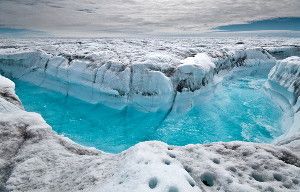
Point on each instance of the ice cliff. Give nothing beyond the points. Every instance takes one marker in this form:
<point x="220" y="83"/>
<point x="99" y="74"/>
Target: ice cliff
<point x="284" y="81"/>
<point x="117" y="78"/>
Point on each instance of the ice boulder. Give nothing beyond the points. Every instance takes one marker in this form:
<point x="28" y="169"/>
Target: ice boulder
<point x="194" y="72"/>
<point x="9" y="101"/>
<point x="150" y="89"/>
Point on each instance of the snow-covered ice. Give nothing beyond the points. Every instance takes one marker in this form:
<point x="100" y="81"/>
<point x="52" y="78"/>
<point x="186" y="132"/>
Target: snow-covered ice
<point x="121" y="73"/>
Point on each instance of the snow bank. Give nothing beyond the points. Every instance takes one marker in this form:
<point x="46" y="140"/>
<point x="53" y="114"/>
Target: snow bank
<point x="148" y="166"/>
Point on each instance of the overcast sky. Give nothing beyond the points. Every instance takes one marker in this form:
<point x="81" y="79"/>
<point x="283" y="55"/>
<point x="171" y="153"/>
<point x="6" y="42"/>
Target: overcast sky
<point x="87" y="17"/>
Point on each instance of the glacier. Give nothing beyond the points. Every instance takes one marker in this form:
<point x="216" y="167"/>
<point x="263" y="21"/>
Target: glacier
<point x="150" y="75"/>
<point x="119" y="73"/>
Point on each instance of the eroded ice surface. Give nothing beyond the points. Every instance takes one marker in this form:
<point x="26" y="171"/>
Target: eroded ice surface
<point x="237" y="108"/>
<point x="34" y="158"/>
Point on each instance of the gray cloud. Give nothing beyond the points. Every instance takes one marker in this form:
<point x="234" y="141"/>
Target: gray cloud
<point x="95" y="17"/>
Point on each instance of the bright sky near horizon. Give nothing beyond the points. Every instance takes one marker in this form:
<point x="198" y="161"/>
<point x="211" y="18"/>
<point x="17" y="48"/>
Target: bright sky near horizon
<point x="88" y="17"/>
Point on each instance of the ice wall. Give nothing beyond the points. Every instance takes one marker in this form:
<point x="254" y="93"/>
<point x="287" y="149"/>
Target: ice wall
<point x="284" y="80"/>
<point x="150" y="84"/>
<point x="286" y="73"/>
<point x="283" y="52"/>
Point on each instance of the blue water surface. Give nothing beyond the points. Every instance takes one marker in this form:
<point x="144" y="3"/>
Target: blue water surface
<point x="238" y="108"/>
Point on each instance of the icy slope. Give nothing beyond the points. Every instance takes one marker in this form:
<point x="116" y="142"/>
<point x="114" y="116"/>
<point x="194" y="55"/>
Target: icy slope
<point x="34" y="158"/>
<point x="284" y="80"/>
